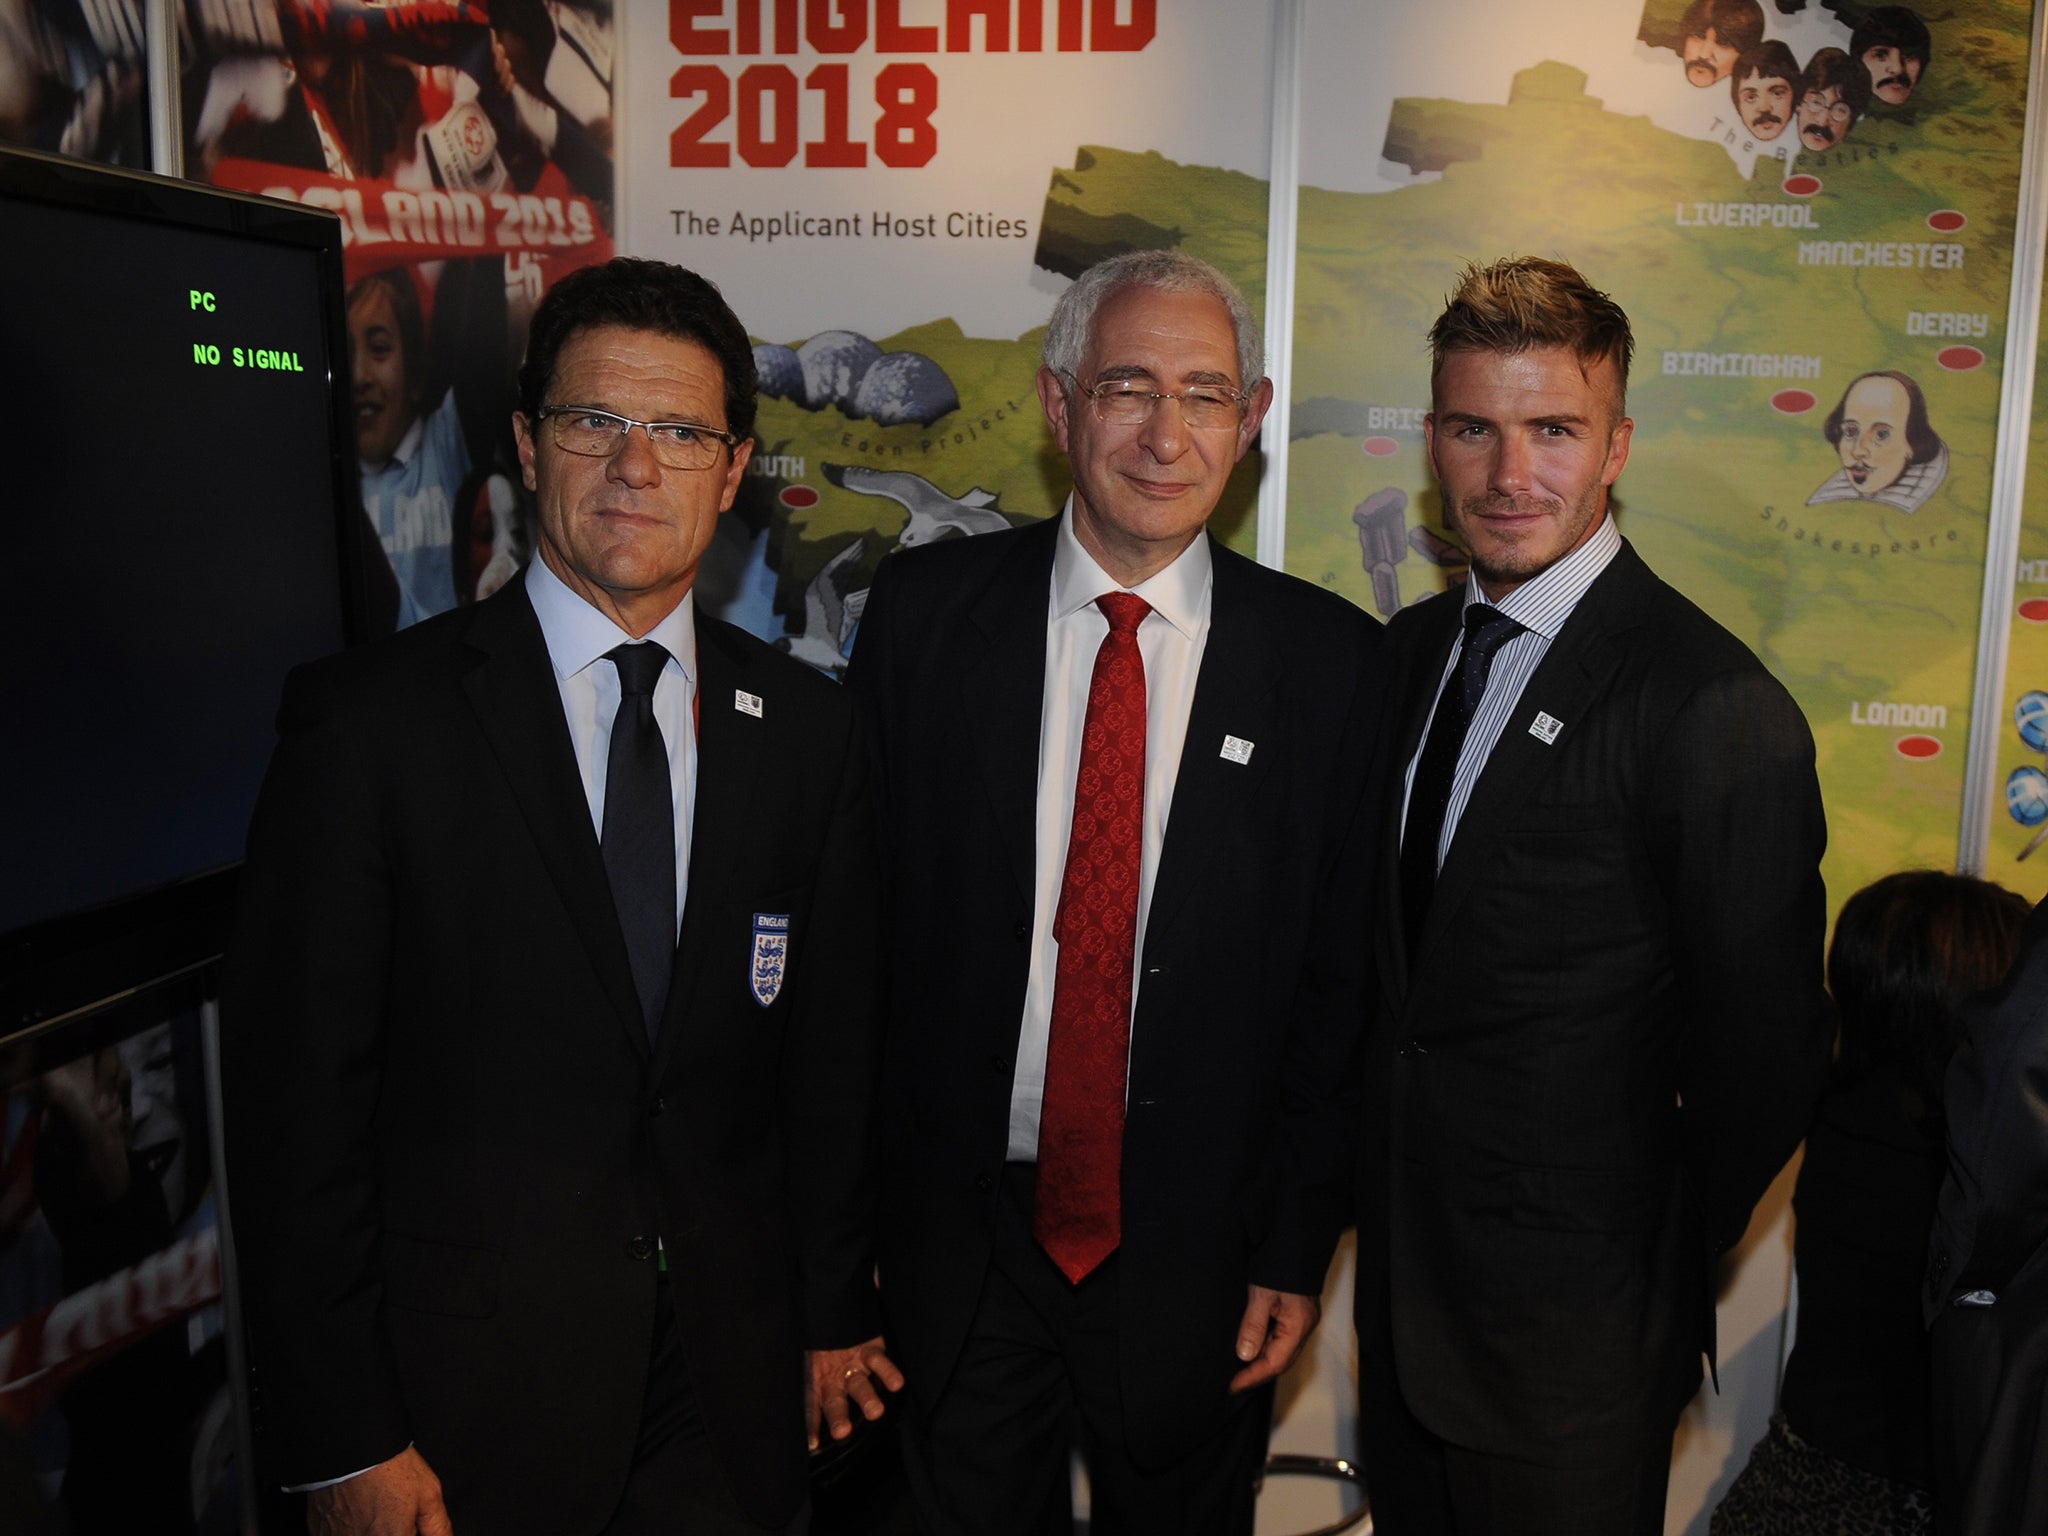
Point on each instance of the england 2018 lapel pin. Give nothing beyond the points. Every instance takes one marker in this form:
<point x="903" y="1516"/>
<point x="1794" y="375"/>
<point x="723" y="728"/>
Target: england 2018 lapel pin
<point x="1545" y="727"/>
<point x="747" y="703"/>
<point x="1237" y="749"/>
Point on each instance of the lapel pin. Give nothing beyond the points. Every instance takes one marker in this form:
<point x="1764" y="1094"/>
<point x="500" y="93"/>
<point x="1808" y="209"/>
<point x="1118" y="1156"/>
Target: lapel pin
<point x="1545" y="727"/>
<point x="1237" y="749"/>
<point x="750" y="703"/>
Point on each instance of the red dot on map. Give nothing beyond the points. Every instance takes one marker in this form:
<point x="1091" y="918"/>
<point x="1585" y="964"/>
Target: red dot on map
<point x="1947" y="220"/>
<point x="1380" y="447"/>
<point x="1802" y="185"/>
<point x="1959" y="359"/>
<point x="1793" y="402"/>
<point x="797" y="497"/>
<point x="1917" y="746"/>
<point x="2035" y="610"/>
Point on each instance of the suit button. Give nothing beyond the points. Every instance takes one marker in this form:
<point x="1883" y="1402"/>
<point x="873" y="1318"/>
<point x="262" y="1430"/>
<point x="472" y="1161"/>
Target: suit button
<point x="654" y="1110"/>
<point x="1000" y="1065"/>
<point x="1021" y="932"/>
<point x="640" y="1249"/>
<point x="984" y="1183"/>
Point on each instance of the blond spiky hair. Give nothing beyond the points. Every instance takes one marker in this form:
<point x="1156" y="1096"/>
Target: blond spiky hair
<point x="1520" y="302"/>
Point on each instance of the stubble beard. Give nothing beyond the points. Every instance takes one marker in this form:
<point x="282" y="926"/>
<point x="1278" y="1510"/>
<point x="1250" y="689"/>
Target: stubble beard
<point x="1514" y="560"/>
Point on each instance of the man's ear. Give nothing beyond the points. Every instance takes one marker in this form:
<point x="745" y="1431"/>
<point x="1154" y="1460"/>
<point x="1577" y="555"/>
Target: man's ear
<point x="1256" y="405"/>
<point x="1052" y="395"/>
<point x="523" y="435"/>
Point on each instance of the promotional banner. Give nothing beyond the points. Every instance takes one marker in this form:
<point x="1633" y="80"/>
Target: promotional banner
<point x="1808" y="213"/>
<point x="73" y="79"/>
<point x="467" y="153"/>
<point x="892" y="193"/>
<point x="113" y="1356"/>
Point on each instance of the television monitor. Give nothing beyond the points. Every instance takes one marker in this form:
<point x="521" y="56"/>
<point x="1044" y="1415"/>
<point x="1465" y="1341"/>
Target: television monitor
<point x="178" y="494"/>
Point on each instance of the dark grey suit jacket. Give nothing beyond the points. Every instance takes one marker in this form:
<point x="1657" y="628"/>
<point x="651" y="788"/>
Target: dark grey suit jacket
<point x="1243" y="1079"/>
<point x="451" y="1150"/>
<point x="1613" y="1033"/>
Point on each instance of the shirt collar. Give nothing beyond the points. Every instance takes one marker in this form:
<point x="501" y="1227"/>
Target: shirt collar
<point x="577" y="634"/>
<point x="1546" y="600"/>
<point x="1179" y="594"/>
<point x="408" y="446"/>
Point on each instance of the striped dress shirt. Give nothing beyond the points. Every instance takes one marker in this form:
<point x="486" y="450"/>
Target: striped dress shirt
<point x="1540" y="605"/>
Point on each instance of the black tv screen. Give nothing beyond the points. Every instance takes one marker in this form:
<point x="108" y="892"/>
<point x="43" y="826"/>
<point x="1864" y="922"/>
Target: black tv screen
<point x="177" y="491"/>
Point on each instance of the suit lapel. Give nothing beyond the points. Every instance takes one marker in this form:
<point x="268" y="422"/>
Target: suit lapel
<point x="519" y="709"/>
<point x="1003" y="692"/>
<point x="733" y="757"/>
<point x="1236" y="694"/>
<point x="1573" y="674"/>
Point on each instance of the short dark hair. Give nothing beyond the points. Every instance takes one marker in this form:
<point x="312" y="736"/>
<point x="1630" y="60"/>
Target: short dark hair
<point x="1832" y="69"/>
<point x="1520" y="302"/>
<point x="1922" y="441"/>
<point x="396" y="283"/>
<point x="1892" y="26"/>
<point x="641" y="295"/>
<point x="1737" y="24"/>
<point x="1908" y="950"/>
<point x="1773" y="60"/>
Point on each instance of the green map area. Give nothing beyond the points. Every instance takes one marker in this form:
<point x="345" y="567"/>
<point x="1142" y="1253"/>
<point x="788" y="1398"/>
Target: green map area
<point x="2018" y="853"/>
<point x="1854" y="604"/>
<point x="1867" y="612"/>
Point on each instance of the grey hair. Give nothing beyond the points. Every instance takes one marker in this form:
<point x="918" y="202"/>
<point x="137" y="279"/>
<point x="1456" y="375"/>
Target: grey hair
<point x="1073" y="317"/>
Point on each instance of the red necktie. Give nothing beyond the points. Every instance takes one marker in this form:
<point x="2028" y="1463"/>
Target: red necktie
<point x="1077" y="1210"/>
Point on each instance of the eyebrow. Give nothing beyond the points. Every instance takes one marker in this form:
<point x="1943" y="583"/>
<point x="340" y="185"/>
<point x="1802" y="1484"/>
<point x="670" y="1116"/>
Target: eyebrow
<point x="1124" y="371"/>
<point x="1561" y="419"/>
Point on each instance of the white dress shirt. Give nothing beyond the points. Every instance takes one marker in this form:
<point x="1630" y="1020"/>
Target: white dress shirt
<point x="1540" y="605"/>
<point x="578" y="636"/>
<point x="1170" y="643"/>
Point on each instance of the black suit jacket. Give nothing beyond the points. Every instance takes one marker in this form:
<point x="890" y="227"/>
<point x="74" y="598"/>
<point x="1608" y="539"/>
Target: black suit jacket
<point x="1991" y="1240"/>
<point x="1244" y="1044"/>
<point x="451" y="1148"/>
<point x="1613" y="1033"/>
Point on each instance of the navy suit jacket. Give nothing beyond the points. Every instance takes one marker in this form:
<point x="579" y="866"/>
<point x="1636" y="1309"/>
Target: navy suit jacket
<point x="1612" y="1035"/>
<point x="451" y="1148"/>
<point x="1243" y="1073"/>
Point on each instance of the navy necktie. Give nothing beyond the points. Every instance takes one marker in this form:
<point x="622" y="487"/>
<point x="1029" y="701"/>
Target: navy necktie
<point x="1429" y="794"/>
<point x="640" y="829"/>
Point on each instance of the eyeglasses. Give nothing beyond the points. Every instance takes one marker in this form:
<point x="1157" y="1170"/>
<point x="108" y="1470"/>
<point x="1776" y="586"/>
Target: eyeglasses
<point x="600" y="434"/>
<point x="1127" y="403"/>
<point x="1835" y="111"/>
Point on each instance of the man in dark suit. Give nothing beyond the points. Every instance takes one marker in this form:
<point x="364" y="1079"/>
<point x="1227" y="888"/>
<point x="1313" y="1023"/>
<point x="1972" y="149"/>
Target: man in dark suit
<point x="1987" y="1273"/>
<point x="550" y="1041"/>
<point x="1600" y="1028"/>
<point x="1125" y="783"/>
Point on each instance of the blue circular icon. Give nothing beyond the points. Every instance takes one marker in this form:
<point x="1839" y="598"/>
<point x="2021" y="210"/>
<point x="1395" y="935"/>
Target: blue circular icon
<point x="2026" y="796"/>
<point x="2030" y="714"/>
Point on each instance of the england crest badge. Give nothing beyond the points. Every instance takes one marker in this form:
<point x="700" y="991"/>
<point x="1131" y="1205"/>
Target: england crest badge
<point x="771" y="955"/>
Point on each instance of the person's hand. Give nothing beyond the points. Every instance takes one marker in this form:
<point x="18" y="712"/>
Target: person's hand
<point x="844" y="1379"/>
<point x="1276" y="1324"/>
<point x="399" y="1497"/>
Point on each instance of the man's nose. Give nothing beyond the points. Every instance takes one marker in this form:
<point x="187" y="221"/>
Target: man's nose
<point x="633" y="462"/>
<point x="1511" y="464"/>
<point x="1165" y="432"/>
